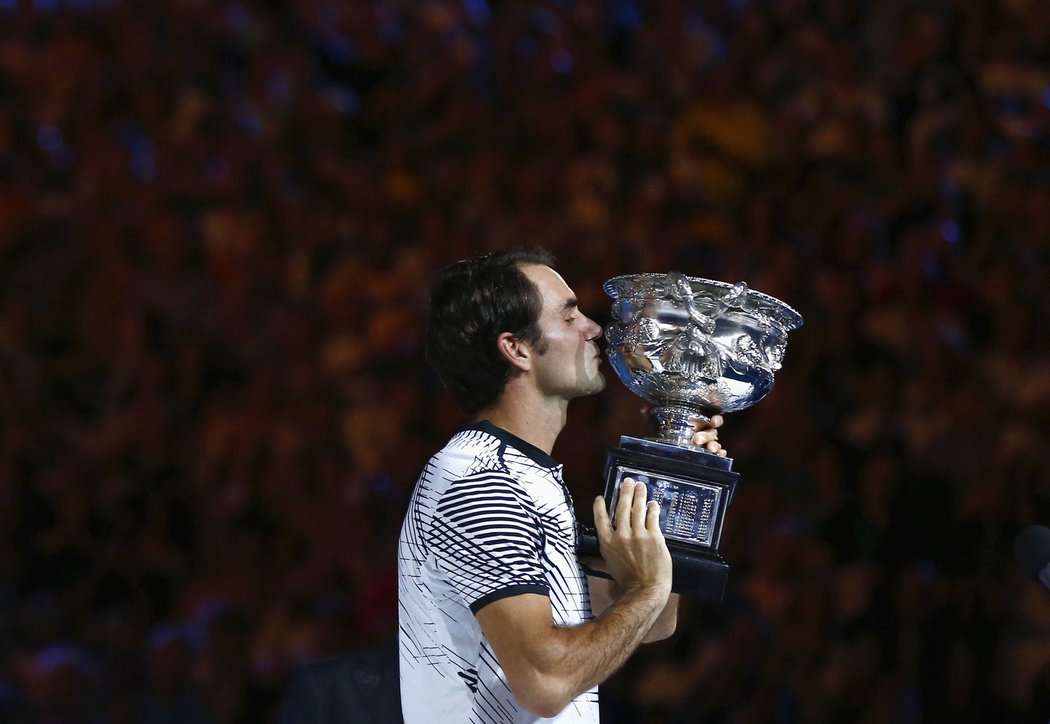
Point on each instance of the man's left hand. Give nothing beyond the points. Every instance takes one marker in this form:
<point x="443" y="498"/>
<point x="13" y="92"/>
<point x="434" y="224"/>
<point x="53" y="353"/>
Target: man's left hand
<point x="706" y="435"/>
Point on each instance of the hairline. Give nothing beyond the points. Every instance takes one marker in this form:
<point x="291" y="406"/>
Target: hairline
<point x="540" y="343"/>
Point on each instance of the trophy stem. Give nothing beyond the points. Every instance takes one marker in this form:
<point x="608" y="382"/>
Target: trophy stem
<point x="676" y="424"/>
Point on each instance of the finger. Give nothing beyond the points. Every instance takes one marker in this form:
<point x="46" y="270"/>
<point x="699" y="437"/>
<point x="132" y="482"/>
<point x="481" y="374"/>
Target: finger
<point x="703" y="437"/>
<point x="702" y="424"/>
<point x="641" y="492"/>
<point x="722" y="452"/>
<point x="601" y="519"/>
<point x="713" y="446"/>
<point x="622" y="516"/>
<point x="652" y="517"/>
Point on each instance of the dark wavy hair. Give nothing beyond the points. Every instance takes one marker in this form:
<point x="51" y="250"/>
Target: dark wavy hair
<point x="472" y="302"/>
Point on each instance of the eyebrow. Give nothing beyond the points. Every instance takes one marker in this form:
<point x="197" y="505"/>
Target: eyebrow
<point x="570" y="303"/>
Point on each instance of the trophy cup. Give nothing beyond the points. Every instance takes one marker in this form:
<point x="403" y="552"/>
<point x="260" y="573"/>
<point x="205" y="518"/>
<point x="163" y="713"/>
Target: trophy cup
<point x="691" y="347"/>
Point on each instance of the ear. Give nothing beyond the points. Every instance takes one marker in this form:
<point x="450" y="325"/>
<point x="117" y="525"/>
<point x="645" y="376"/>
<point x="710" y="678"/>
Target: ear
<point x="515" y="351"/>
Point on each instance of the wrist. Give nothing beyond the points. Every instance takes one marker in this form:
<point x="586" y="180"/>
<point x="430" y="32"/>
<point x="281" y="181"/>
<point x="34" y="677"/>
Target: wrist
<point x="659" y="589"/>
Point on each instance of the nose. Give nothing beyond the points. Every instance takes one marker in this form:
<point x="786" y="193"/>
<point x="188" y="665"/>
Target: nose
<point x="594" y="330"/>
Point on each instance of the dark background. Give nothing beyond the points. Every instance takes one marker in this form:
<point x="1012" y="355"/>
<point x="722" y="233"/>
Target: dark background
<point x="217" y="222"/>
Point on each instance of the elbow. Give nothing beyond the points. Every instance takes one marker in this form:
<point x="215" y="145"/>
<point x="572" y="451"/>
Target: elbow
<point x="545" y="699"/>
<point x="545" y="707"/>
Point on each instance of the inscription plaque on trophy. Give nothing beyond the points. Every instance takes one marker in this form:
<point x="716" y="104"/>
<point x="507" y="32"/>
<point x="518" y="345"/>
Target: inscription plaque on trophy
<point x="691" y="347"/>
<point x="687" y="508"/>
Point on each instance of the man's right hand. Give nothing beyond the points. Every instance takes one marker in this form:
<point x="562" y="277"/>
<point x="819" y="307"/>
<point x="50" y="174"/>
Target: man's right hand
<point x="632" y="544"/>
<point x="547" y="665"/>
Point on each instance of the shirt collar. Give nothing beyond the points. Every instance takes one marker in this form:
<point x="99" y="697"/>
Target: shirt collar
<point x="538" y="456"/>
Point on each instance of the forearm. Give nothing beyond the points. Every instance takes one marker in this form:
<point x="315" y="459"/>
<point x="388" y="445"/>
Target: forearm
<point x="577" y="658"/>
<point x="546" y="665"/>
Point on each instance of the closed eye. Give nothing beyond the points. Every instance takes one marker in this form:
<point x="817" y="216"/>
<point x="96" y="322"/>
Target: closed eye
<point x="570" y="307"/>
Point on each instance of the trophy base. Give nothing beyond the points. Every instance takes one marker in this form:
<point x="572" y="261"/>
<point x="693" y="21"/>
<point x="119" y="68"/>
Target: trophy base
<point x="693" y="488"/>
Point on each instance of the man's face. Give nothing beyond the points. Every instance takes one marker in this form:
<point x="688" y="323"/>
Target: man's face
<point x="569" y="365"/>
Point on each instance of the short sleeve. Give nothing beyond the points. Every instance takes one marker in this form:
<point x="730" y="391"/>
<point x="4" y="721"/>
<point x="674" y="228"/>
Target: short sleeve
<point x="487" y="540"/>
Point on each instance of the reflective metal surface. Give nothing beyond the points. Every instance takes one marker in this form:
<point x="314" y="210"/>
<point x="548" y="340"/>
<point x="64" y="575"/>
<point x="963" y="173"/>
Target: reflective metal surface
<point x="693" y="347"/>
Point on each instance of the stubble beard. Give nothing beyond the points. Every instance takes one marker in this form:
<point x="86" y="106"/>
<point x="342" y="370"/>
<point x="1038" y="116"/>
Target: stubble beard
<point x="594" y="386"/>
<point x="591" y="385"/>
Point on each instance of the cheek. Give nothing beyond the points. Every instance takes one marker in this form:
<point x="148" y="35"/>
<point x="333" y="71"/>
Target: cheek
<point x="560" y="338"/>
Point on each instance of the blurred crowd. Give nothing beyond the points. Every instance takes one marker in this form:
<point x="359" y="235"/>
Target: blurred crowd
<point x="217" y="222"/>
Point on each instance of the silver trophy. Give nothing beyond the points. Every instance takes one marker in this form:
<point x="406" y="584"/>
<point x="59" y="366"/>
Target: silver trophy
<point x="692" y="348"/>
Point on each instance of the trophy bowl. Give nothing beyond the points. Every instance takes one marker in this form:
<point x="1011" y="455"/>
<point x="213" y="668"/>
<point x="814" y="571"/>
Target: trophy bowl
<point x="693" y="347"/>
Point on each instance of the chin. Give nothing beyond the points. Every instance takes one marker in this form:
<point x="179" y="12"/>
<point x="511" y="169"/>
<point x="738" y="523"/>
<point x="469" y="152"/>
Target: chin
<point x="598" y="386"/>
<point x="586" y="388"/>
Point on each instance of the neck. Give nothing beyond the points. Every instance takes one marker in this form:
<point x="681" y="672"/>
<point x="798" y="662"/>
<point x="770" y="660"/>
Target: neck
<point x="536" y="421"/>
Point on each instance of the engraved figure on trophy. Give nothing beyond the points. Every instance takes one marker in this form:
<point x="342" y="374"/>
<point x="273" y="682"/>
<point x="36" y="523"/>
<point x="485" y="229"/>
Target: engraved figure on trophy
<point x="691" y="347"/>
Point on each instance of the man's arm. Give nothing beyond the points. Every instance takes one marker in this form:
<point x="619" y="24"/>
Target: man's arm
<point x="547" y="665"/>
<point x="605" y="592"/>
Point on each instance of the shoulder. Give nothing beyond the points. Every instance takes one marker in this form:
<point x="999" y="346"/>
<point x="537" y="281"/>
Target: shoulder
<point x="468" y="452"/>
<point x="496" y="488"/>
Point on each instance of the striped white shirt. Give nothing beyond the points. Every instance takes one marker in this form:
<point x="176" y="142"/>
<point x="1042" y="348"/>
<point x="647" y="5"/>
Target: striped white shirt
<point x="490" y="518"/>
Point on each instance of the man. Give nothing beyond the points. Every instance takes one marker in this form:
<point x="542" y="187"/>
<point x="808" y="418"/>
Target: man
<point x="498" y="622"/>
